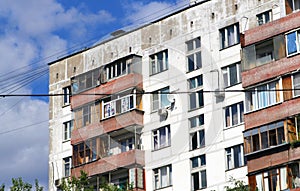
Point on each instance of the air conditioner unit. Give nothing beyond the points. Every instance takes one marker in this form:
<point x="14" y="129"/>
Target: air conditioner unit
<point x="58" y="182"/>
<point x="220" y="93"/>
<point x="162" y="112"/>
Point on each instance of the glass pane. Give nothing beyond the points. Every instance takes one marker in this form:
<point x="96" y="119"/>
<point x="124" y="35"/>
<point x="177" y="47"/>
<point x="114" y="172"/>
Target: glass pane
<point x="189" y="45"/>
<point x="291" y="43"/>
<point x="237" y="156"/>
<point x="225" y="76"/>
<point x="272" y="93"/>
<point x="193" y="122"/>
<point x="228" y="158"/>
<point x="233" y="74"/>
<point x="195" y="162"/>
<point x="241" y="112"/>
<point x="201" y="119"/>
<point x="201" y="138"/>
<point x="235" y="116"/>
<point x="262" y="96"/>
<point x="203" y="160"/>
<point x="164" y="97"/>
<point x="197" y="42"/>
<point x="200" y="98"/>
<point x="160" y="62"/>
<point x="255" y="143"/>
<point x="192" y="83"/>
<point x="196" y="182"/>
<point x="203" y="179"/>
<point x="227" y="117"/>
<point x="259" y="182"/>
<point x="296" y="84"/>
<point x="198" y="60"/>
<point x="264" y="140"/>
<point x="164" y="177"/>
<point x="231" y="36"/>
<point x="163" y="138"/>
<point x="272" y="137"/>
<point x="155" y="101"/>
<point x="193" y="101"/>
<point x="199" y="81"/>
<point x="191" y="62"/>
<point x="222" y="38"/>
<point x="194" y="141"/>
<point x="280" y="135"/>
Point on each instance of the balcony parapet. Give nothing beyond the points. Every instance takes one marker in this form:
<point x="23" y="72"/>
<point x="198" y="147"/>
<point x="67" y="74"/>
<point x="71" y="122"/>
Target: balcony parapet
<point x="122" y="160"/>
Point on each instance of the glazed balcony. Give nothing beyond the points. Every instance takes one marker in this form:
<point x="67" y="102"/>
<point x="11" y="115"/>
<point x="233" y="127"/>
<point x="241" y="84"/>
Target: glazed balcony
<point x="110" y="163"/>
<point x="132" y="80"/>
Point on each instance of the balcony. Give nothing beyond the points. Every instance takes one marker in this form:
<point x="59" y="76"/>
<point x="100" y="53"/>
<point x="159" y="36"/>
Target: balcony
<point x="110" y="163"/>
<point x="111" y="87"/>
<point x="131" y="118"/>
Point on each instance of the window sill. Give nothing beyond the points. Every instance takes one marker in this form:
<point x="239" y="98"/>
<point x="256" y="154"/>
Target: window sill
<point x="65" y="141"/>
<point x="194" y="109"/>
<point x="66" y="105"/>
<point x="252" y="111"/>
<point x="227" y="170"/>
<point x="227" y="87"/>
<point x="233" y="126"/>
<point x="229" y="46"/>
<point x="202" y="147"/>
<point x="161" y="148"/>
<point x="163" y="187"/>
<point x="187" y="72"/>
<point x="158" y="72"/>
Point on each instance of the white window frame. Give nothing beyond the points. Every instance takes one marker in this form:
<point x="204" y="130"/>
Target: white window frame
<point x="197" y="122"/>
<point x="293" y="4"/>
<point x="157" y="66"/>
<point x="201" y="186"/>
<point x="297" y="42"/>
<point x="199" y="159"/>
<point x="116" y="70"/>
<point x="224" y="36"/>
<point x="230" y="157"/>
<point x="200" y="143"/>
<point x="66" y="96"/>
<point x="254" y="93"/>
<point x="157" y="98"/>
<point x="156" y="134"/>
<point x="68" y="127"/>
<point x="227" y="74"/>
<point x="67" y="162"/>
<point x="158" y="179"/>
<point x="296" y="87"/>
<point x="128" y="144"/>
<point x="239" y="114"/>
<point x="196" y="92"/>
<point x="261" y="18"/>
<point x="193" y="52"/>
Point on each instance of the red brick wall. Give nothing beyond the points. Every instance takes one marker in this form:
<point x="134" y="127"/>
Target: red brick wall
<point x="268" y="30"/>
<point x="271" y="70"/>
<point x="111" y="87"/>
<point x="273" y="113"/>
<point x="111" y="163"/>
<point x="111" y="124"/>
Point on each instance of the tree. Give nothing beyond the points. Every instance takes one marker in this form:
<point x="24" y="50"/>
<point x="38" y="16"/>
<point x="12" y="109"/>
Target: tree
<point x="19" y="185"/>
<point x="239" y="185"/>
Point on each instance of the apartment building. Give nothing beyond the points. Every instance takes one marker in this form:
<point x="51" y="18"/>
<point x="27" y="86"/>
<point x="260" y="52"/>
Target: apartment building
<point x="270" y="75"/>
<point x="160" y="107"/>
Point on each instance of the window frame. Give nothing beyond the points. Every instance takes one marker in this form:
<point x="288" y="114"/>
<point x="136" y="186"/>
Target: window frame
<point x="239" y="113"/>
<point x="227" y="73"/>
<point x="67" y="165"/>
<point x="196" y="95"/>
<point x="158" y="102"/>
<point x="155" y="65"/>
<point x="68" y="127"/>
<point x="296" y="86"/>
<point x="201" y="161"/>
<point x="66" y="95"/>
<point x="197" y="138"/>
<point x="224" y="36"/>
<point x="230" y="153"/>
<point x="156" y="138"/>
<point x="193" y="49"/>
<point x="200" y="181"/>
<point x="297" y="42"/>
<point x="263" y="17"/>
<point x="157" y="177"/>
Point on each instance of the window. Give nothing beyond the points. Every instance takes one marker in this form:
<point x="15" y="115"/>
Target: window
<point x="292" y="5"/>
<point x="68" y="128"/>
<point x="86" y="115"/>
<point x="127" y="144"/>
<point x="264" y="52"/>
<point x="229" y="36"/>
<point x="263" y="96"/>
<point x="199" y="180"/>
<point x="162" y="177"/>
<point x="272" y="180"/>
<point x="159" y="62"/>
<point x="66" y="96"/>
<point x="86" y="81"/>
<point x="194" y="61"/>
<point x="234" y="114"/>
<point x="117" y="106"/>
<point x="196" y="121"/>
<point x="264" y="17"/>
<point x="160" y="99"/>
<point x="235" y="157"/>
<point x="265" y="137"/>
<point x="293" y="43"/>
<point x="232" y="74"/>
<point x="198" y="161"/>
<point x="196" y="99"/>
<point x="67" y="166"/>
<point x="161" y="137"/>
<point x="296" y="84"/>
<point x="116" y="69"/>
<point x="197" y="139"/>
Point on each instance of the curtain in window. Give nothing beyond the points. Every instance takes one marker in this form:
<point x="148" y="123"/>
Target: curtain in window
<point x="259" y="182"/>
<point x="237" y="156"/>
<point x="164" y="177"/>
<point x="163" y="138"/>
<point x="231" y="36"/>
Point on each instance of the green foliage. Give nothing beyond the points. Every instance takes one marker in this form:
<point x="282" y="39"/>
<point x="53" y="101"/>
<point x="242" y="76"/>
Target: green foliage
<point x="238" y="185"/>
<point x="19" y="185"/>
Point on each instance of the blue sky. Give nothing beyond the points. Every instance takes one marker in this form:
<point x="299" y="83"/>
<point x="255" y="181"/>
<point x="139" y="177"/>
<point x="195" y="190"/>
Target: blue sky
<point x="33" y="33"/>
